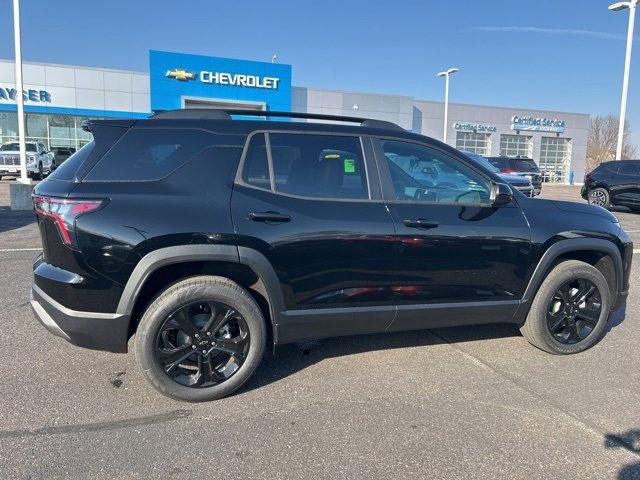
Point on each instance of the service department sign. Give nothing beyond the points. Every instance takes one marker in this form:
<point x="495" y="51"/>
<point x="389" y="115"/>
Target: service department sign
<point x="474" y="127"/>
<point x="533" y="124"/>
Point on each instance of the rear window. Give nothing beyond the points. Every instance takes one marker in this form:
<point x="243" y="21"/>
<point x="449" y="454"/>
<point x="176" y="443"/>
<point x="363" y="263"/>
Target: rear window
<point x="500" y="163"/>
<point x="520" y="165"/>
<point x="146" y="154"/>
<point x="67" y="170"/>
<point x="9" y="147"/>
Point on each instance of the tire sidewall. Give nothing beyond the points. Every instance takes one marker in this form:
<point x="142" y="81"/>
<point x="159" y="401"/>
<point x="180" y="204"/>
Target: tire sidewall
<point x="548" y="289"/>
<point x="183" y="295"/>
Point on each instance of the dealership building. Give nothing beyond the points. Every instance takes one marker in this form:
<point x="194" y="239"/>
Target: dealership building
<point x="59" y="97"/>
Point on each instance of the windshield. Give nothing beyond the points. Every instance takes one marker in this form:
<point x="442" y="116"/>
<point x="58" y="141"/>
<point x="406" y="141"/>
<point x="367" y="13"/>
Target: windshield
<point x="523" y="165"/>
<point x="8" y="147"/>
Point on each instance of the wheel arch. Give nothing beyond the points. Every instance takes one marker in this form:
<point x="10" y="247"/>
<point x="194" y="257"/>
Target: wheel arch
<point x="600" y="253"/>
<point x="165" y="266"/>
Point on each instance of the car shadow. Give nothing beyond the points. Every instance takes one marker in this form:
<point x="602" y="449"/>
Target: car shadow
<point x="290" y="359"/>
<point x="630" y="441"/>
<point x="10" y="220"/>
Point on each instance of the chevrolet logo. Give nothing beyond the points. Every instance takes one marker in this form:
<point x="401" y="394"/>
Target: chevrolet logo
<point x="180" y="74"/>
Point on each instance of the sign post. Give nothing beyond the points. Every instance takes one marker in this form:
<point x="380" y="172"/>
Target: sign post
<point x="19" y="87"/>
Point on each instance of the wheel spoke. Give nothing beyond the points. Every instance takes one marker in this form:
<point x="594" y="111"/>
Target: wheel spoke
<point x="186" y="325"/>
<point x="230" y="345"/>
<point x="558" y="322"/>
<point x="218" y="318"/>
<point x="170" y="359"/>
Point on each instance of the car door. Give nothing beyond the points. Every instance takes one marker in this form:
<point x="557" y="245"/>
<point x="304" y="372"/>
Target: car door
<point x="459" y="259"/>
<point x="625" y="188"/>
<point x="311" y="205"/>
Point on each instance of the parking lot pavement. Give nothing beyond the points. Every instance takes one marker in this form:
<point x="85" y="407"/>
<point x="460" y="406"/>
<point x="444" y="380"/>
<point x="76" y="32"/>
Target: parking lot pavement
<point x="451" y="403"/>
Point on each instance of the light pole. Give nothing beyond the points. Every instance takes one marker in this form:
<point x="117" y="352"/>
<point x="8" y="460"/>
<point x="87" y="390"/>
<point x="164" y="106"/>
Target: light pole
<point x="19" y="101"/>
<point x="446" y="74"/>
<point x="631" y="5"/>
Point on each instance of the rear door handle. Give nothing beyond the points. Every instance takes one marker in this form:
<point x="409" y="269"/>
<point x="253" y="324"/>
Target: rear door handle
<point x="269" y="217"/>
<point x="420" y="223"/>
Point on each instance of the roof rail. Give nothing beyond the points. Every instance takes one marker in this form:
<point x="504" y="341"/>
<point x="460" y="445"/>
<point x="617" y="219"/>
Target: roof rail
<point x="219" y="114"/>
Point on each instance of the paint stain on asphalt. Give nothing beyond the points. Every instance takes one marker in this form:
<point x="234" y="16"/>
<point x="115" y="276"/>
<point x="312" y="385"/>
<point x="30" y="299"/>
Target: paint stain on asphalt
<point x="117" y="382"/>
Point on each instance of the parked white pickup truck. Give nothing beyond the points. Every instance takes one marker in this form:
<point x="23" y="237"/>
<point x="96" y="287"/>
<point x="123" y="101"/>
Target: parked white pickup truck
<point x="39" y="160"/>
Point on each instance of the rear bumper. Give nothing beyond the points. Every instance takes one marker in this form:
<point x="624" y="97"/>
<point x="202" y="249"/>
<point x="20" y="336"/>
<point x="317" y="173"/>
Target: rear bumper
<point x="97" y="331"/>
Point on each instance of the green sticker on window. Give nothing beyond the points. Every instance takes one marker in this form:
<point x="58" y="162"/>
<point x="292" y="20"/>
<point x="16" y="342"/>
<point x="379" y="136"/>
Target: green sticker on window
<point x="349" y="165"/>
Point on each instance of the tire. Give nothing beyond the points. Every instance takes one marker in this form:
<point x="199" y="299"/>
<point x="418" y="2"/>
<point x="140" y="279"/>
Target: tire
<point x="537" y="328"/>
<point x="161" y="314"/>
<point x="599" y="196"/>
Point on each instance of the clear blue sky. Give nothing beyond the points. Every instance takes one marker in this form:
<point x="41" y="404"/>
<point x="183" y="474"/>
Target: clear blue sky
<point x="551" y="54"/>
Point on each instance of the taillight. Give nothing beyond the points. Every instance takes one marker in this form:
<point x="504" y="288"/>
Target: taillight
<point x="507" y="170"/>
<point x="64" y="212"/>
<point x="587" y="177"/>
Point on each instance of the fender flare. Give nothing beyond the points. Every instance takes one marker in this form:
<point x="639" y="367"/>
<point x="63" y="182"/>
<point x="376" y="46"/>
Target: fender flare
<point x="559" y="248"/>
<point x="161" y="257"/>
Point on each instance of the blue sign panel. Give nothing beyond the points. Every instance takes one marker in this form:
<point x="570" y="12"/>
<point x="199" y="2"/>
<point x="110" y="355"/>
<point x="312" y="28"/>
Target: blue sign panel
<point x="177" y="79"/>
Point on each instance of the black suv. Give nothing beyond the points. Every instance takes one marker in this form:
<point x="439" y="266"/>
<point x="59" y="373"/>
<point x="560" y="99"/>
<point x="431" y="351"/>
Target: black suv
<point x="209" y="238"/>
<point x="614" y="183"/>
<point x="525" y="167"/>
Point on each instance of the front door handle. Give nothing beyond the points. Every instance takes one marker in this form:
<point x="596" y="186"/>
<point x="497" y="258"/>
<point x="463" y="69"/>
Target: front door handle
<point x="269" y="217"/>
<point x="420" y="223"/>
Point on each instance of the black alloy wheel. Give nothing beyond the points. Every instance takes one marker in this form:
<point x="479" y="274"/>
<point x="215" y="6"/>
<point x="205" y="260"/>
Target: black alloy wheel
<point x="202" y="344"/>
<point x="574" y="311"/>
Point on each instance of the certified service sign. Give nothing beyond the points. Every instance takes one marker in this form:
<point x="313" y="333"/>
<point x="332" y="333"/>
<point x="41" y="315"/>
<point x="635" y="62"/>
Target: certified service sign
<point x="533" y="124"/>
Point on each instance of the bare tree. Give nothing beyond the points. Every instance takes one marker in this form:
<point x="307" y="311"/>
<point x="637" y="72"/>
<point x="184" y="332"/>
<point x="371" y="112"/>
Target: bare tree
<point x="602" y="141"/>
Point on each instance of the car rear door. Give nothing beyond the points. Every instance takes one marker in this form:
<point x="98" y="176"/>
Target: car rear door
<point x="311" y="205"/>
<point x="459" y="258"/>
<point x="626" y="187"/>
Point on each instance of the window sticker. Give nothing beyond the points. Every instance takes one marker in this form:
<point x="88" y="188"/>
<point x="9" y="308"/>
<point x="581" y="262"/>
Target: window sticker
<point x="349" y="165"/>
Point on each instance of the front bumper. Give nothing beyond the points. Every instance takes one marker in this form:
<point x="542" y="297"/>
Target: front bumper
<point x="97" y="331"/>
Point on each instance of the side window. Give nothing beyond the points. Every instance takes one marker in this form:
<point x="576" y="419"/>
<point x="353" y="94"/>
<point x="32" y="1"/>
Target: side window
<point x="425" y="174"/>
<point x="628" y="170"/>
<point x="256" y="164"/>
<point x="144" y="154"/>
<point x="318" y="166"/>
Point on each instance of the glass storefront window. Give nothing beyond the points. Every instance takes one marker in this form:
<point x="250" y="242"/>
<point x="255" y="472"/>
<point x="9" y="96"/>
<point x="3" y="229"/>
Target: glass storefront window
<point x="555" y="158"/>
<point x="52" y="130"/>
<point x="516" y="146"/>
<point x="478" y="143"/>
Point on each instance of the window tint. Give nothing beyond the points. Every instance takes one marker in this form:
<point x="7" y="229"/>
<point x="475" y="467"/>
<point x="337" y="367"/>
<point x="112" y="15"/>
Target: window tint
<point x="319" y="166"/>
<point x="67" y="170"/>
<point x="425" y="174"/>
<point x="520" y="165"/>
<point x="500" y="163"/>
<point x="629" y="169"/>
<point x="149" y="154"/>
<point x="256" y="166"/>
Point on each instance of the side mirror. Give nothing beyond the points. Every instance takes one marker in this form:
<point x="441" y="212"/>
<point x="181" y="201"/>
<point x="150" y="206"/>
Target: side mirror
<point x="501" y="194"/>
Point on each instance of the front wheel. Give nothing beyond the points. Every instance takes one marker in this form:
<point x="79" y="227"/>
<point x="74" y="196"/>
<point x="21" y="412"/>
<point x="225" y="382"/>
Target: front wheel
<point x="599" y="196"/>
<point x="570" y="310"/>
<point x="201" y="339"/>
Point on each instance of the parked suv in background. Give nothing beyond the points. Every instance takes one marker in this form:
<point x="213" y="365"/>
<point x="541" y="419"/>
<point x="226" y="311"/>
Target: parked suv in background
<point x="523" y="184"/>
<point x="210" y="238"/>
<point x="614" y="183"/>
<point x="39" y="160"/>
<point x="522" y="166"/>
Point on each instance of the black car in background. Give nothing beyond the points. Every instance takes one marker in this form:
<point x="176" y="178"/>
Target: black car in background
<point x="614" y="183"/>
<point x="522" y="166"/>
<point x="519" y="182"/>
<point x="60" y="154"/>
<point x="213" y="239"/>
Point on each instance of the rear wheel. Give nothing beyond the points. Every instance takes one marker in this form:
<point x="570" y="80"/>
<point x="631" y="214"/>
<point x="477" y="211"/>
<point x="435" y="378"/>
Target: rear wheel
<point x="599" y="196"/>
<point x="570" y="310"/>
<point x="201" y="339"/>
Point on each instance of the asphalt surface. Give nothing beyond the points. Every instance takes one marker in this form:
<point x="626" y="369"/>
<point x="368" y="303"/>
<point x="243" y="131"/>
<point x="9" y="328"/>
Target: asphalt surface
<point x="474" y="402"/>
